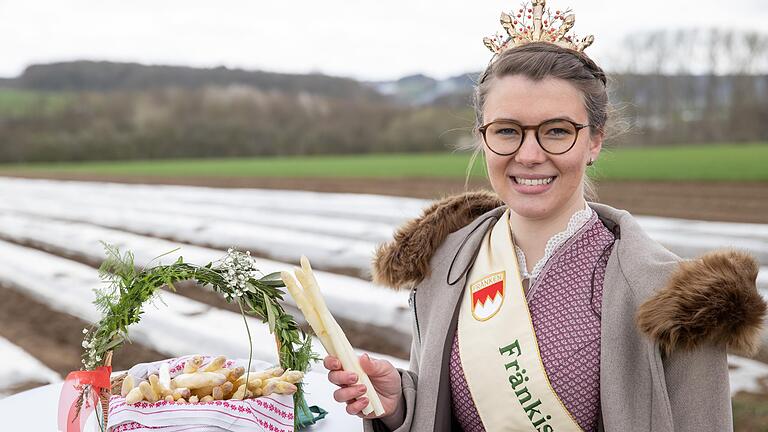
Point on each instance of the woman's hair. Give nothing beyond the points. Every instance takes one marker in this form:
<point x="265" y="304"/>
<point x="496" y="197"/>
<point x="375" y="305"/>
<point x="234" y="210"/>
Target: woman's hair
<point x="540" y="60"/>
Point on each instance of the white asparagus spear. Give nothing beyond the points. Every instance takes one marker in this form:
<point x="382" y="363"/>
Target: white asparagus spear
<point x="344" y="351"/>
<point x="148" y="392"/>
<point x="128" y="385"/>
<point x="309" y="312"/>
<point x="340" y="342"/>
<point x="374" y="403"/>
<point x="134" y="396"/>
<point x="215" y="364"/>
<point x="165" y="376"/>
<point x="199" y="379"/>
<point x="322" y="330"/>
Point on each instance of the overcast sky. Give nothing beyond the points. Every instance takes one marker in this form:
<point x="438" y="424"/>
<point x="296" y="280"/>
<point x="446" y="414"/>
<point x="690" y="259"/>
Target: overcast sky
<point x="364" y="39"/>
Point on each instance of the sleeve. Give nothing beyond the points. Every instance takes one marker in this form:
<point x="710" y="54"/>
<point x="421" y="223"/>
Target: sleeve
<point x="699" y="389"/>
<point x="402" y="419"/>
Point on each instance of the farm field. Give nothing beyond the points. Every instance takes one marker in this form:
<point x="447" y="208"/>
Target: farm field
<point x="50" y="233"/>
<point x="700" y="200"/>
<point x="718" y="183"/>
<point x="724" y="162"/>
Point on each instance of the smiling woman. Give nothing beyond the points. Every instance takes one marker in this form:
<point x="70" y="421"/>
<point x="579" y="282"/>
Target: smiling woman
<point x="549" y="82"/>
<point x="536" y="310"/>
<point x="553" y="159"/>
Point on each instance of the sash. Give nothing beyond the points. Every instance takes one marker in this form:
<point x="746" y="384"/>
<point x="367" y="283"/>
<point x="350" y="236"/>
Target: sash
<point x="498" y="347"/>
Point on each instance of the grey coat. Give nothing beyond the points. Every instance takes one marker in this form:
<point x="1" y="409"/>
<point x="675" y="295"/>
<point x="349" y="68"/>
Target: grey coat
<point x="666" y="323"/>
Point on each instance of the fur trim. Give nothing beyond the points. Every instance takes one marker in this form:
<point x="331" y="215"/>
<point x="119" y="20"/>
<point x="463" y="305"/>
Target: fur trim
<point x="711" y="299"/>
<point x="404" y="261"/>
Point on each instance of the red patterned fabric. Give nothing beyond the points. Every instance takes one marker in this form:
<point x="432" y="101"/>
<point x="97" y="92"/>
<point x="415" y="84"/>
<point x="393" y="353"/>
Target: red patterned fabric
<point x="567" y="329"/>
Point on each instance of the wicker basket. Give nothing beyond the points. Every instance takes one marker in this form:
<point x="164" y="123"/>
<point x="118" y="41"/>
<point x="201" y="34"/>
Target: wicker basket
<point x="262" y="298"/>
<point x="116" y="384"/>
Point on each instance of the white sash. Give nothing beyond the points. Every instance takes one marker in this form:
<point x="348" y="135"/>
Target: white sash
<point x="498" y="347"/>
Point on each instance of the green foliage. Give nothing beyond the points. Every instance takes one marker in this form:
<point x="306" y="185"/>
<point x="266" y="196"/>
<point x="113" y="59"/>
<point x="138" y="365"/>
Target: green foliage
<point x="729" y="162"/>
<point x="16" y="103"/>
<point x="378" y="165"/>
<point x="128" y="289"/>
<point x="201" y="122"/>
<point x="82" y="111"/>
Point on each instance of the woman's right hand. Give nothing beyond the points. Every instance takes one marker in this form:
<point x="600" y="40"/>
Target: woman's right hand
<point x="384" y="377"/>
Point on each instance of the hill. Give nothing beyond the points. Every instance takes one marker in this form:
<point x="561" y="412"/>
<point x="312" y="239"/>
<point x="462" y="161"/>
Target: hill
<point x="109" y="76"/>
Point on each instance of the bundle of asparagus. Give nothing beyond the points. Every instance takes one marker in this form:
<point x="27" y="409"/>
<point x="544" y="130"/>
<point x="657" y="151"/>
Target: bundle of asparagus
<point x="310" y="302"/>
<point x="206" y="383"/>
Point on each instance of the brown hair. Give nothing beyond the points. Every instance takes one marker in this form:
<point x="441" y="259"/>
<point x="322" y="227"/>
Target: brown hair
<point x="540" y="60"/>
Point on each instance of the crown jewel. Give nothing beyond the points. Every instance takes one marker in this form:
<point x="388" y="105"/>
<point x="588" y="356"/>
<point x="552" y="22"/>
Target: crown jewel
<point x="535" y="23"/>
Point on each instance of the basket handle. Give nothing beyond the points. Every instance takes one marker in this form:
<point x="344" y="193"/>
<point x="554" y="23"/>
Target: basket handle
<point x="106" y="393"/>
<point x="279" y="345"/>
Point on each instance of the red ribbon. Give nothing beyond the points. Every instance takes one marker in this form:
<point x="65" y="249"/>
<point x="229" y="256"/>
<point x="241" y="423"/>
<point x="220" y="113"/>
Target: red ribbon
<point x="72" y="418"/>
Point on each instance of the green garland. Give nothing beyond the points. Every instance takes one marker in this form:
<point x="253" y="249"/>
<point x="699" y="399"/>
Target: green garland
<point x="235" y="277"/>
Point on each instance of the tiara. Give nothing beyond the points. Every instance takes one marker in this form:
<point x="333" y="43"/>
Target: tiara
<point x="534" y="23"/>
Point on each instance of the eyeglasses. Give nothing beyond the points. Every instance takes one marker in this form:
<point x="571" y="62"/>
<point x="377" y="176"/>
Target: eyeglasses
<point x="556" y="136"/>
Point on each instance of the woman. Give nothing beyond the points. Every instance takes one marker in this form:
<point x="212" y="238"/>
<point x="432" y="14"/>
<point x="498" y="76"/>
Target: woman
<point x="536" y="310"/>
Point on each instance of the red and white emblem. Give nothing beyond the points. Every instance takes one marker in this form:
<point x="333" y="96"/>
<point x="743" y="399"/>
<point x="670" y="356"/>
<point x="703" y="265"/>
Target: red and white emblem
<point x="487" y="296"/>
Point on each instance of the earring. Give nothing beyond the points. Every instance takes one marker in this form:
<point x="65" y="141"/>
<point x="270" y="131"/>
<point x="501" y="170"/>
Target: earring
<point x="591" y="162"/>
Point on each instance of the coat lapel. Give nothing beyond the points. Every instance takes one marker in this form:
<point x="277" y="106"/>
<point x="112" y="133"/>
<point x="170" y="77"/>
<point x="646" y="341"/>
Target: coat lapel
<point x="460" y="250"/>
<point x="631" y="372"/>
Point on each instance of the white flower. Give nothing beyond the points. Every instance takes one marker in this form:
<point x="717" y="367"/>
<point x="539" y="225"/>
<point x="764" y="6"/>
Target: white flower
<point x="237" y="269"/>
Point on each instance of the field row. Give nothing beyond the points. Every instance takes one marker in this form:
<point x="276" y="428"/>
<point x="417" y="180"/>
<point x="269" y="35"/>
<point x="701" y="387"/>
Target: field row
<point x="174" y="326"/>
<point x="336" y="231"/>
<point x="726" y="162"/>
<point x="51" y="234"/>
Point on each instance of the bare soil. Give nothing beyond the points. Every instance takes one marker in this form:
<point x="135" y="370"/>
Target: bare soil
<point x="750" y="411"/>
<point x="364" y="336"/>
<point x="718" y="201"/>
<point x="54" y="337"/>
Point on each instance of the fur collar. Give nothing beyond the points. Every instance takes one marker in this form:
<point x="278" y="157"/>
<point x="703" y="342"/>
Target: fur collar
<point x="404" y="261"/>
<point x="710" y="299"/>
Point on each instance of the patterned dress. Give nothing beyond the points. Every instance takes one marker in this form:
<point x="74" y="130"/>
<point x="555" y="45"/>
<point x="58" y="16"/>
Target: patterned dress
<point x="566" y="318"/>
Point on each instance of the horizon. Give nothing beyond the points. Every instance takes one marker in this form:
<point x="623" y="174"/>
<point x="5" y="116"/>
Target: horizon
<point x="309" y="73"/>
<point x="229" y="69"/>
<point x="336" y="38"/>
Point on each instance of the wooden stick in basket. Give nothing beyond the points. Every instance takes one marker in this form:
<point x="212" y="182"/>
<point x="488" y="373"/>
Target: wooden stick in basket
<point x="106" y="394"/>
<point x="313" y="307"/>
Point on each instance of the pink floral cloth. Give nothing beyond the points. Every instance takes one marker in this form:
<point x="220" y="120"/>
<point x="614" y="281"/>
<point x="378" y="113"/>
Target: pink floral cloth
<point x="566" y="320"/>
<point x="272" y="413"/>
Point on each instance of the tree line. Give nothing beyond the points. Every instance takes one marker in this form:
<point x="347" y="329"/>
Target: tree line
<point x="230" y="121"/>
<point x="102" y="111"/>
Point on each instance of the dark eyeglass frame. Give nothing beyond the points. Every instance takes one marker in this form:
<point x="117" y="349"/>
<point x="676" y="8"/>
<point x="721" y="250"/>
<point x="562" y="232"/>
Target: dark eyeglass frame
<point x="482" y="129"/>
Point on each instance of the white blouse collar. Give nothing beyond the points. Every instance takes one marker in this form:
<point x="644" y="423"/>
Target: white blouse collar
<point x="578" y="220"/>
